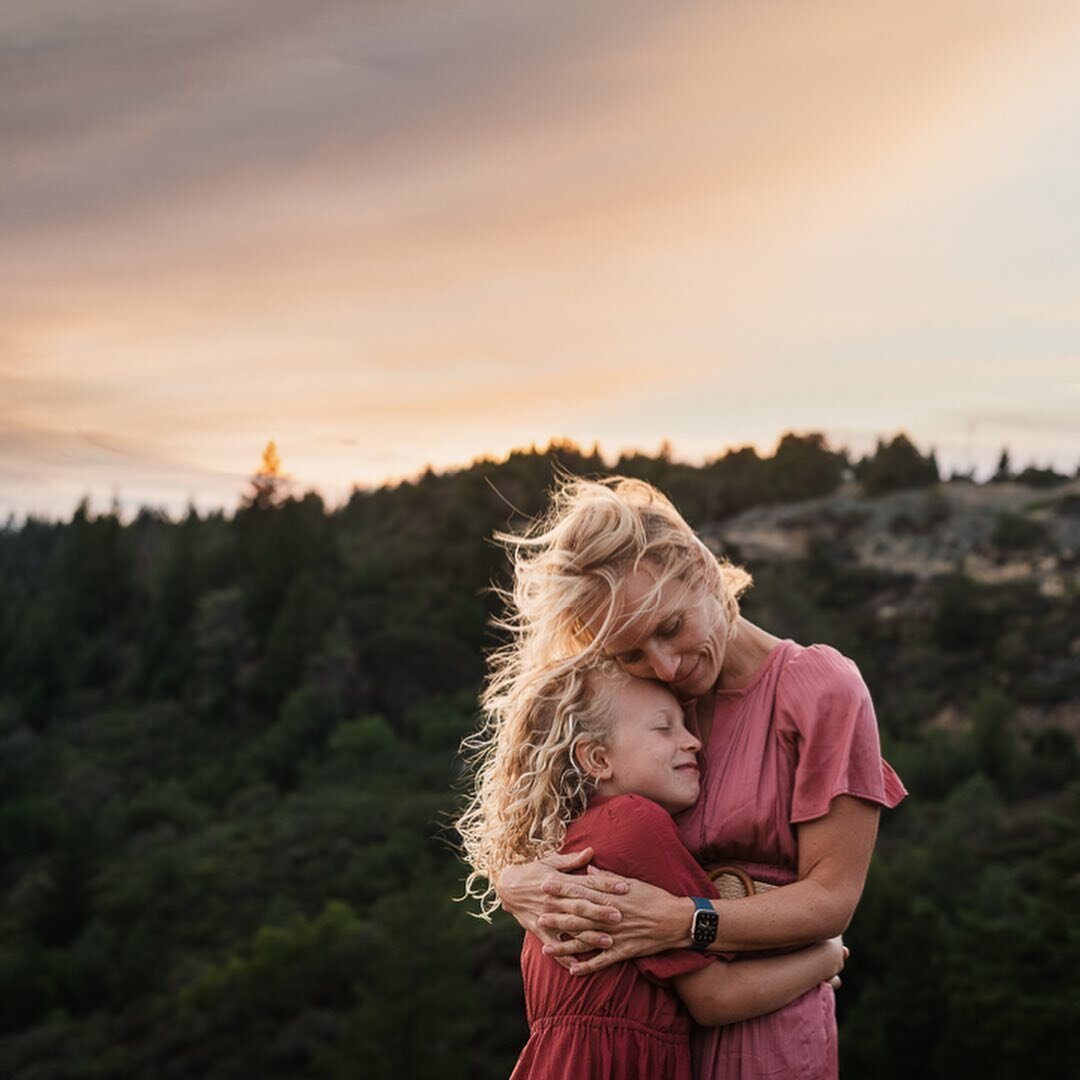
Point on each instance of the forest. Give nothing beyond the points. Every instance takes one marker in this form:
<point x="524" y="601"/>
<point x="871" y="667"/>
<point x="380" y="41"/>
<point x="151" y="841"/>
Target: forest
<point x="229" y="757"/>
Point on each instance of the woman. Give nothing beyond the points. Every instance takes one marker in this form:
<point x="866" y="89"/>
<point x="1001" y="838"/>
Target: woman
<point x="792" y="777"/>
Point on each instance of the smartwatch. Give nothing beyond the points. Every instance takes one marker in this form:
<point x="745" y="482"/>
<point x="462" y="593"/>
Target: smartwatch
<point x="704" y="924"/>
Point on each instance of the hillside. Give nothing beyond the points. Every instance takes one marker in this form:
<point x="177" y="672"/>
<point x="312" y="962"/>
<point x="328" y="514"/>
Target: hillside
<point x="228" y="750"/>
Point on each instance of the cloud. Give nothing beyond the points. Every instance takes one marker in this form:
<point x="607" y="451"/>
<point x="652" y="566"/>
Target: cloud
<point x="1048" y="422"/>
<point x="381" y="230"/>
<point x="124" y="110"/>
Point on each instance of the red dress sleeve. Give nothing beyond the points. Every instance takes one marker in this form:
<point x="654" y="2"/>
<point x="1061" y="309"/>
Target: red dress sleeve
<point x="635" y="837"/>
<point x="825" y="714"/>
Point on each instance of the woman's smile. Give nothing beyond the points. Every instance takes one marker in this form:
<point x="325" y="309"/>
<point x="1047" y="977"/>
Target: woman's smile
<point x="686" y="676"/>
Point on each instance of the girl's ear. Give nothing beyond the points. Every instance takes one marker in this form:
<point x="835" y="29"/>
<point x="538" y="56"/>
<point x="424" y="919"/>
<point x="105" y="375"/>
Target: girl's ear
<point x="592" y="759"/>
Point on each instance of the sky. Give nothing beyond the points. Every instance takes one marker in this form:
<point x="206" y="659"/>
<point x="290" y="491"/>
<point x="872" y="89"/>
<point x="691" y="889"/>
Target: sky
<point x="389" y="234"/>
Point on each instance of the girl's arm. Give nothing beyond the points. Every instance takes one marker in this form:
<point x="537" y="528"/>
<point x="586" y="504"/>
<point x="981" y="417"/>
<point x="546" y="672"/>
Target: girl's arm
<point x="834" y="855"/>
<point x="725" y="993"/>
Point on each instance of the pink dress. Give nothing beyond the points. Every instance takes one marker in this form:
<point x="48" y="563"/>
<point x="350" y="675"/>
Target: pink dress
<point x="626" y="1021"/>
<point x="779" y="751"/>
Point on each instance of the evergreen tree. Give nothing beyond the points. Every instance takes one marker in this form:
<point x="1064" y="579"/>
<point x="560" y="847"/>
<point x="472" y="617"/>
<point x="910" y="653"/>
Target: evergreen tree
<point x="896" y="465"/>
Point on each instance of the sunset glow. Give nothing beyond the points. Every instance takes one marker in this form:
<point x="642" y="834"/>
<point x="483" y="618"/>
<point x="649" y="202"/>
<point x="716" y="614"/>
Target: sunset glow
<point x="394" y="235"/>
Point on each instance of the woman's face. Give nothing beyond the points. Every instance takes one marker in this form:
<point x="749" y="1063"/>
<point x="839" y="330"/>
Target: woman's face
<point x="680" y="641"/>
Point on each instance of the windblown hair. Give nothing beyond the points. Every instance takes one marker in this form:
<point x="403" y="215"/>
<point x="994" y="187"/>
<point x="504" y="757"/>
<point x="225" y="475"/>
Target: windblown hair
<point x="564" y="605"/>
<point x="569" y="568"/>
<point x="529" y="785"/>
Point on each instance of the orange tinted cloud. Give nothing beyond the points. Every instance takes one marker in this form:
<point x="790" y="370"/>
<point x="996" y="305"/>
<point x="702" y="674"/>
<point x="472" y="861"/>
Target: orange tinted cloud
<point x="380" y="231"/>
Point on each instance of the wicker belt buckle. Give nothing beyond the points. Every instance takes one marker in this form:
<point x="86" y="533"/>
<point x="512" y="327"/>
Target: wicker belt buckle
<point x="733" y="883"/>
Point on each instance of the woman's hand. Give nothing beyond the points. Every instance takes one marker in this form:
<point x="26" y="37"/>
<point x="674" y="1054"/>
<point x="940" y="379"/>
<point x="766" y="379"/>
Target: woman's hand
<point x="552" y="903"/>
<point x="651" y="920"/>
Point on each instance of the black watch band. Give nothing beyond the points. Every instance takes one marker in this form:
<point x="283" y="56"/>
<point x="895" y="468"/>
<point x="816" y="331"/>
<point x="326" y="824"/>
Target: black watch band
<point x="704" y="924"/>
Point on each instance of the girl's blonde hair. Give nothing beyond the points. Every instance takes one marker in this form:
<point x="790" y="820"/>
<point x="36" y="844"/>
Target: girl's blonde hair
<point x="529" y="782"/>
<point x="569" y="568"/>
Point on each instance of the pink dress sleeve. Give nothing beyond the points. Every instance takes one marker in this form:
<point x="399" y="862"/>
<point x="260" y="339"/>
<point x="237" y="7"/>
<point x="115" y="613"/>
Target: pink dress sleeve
<point x="825" y="714"/>
<point x="637" y="838"/>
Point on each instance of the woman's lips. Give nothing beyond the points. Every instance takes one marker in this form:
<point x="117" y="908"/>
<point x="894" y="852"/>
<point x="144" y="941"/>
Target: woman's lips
<point x="681" y="680"/>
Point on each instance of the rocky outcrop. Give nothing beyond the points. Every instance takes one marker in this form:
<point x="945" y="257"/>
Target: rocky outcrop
<point x="995" y="533"/>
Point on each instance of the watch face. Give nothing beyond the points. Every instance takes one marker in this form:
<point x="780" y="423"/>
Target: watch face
<point x="706" y="924"/>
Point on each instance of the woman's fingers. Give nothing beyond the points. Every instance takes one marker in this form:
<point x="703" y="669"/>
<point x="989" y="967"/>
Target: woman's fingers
<point x="604" y="882"/>
<point x="604" y="958"/>
<point x="834" y="982"/>
<point x="572" y="860"/>
<point x="577" y="917"/>
<point x="593" y="887"/>
<point x="586" y="941"/>
<point x="579" y="902"/>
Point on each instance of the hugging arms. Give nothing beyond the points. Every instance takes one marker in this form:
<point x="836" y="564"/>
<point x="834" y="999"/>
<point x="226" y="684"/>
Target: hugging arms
<point x="574" y="913"/>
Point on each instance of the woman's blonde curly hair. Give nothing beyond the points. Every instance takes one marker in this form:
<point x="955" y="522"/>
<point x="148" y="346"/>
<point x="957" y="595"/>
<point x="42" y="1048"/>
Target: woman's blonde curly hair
<point x="569" y="567"/>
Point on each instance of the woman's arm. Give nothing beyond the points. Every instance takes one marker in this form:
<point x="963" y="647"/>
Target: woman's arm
<point x="725" y="993"/>
<point x="834" y="855"/>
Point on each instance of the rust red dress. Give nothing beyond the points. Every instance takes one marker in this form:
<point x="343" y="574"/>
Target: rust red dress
<point x="779" y="751"/>
<point x="625" y="1021"/>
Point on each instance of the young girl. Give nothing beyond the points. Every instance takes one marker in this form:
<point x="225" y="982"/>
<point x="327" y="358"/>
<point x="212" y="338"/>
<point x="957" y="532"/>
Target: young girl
<point x="592" y="757"/>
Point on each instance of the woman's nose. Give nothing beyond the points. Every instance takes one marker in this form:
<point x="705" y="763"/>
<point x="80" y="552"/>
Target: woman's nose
<point x="664" y="664"/>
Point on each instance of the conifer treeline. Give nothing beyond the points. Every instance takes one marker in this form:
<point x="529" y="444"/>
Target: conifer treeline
<point x="228" y="745"/>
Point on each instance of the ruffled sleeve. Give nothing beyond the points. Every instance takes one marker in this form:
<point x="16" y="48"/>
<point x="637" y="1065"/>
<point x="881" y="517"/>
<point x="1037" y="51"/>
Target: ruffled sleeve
<point x="637" y="838"/>
<point x="826" y="717"/>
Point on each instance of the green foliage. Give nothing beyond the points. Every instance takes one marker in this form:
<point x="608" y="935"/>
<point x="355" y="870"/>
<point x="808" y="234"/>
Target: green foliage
<point x="804" y="467"/>
<point x="277" y="968"/>
<point x="1015" y="533"/>
<point x="995" y="746"/>
<point x="222" y="644"/>
<point x="896" y="465"/>
<point x="309" y="607"/>
<point x="1041" y="478"/>
<point x="973" y="926"/>
<point x="959" y="623"/>
<point x="228" y="760"/>
<point x="362" y="742"/>
<point x="303" y="723"/>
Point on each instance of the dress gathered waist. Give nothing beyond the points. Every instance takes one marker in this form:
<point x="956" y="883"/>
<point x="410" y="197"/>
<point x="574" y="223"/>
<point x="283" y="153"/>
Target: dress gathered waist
<point x="675" y="1035"/>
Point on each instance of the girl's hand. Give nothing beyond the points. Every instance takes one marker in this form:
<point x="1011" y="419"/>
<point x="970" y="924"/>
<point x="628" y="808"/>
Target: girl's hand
<point x="551" y="903"/>
<point x="838" y="953"/>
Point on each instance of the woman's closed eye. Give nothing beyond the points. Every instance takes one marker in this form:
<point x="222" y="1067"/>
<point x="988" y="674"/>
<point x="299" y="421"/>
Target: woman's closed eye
<point x="670" y="628"/>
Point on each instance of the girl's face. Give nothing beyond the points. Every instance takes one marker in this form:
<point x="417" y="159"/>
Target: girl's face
<point x="651" y="751"/>
<point x="681" y="641"/>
